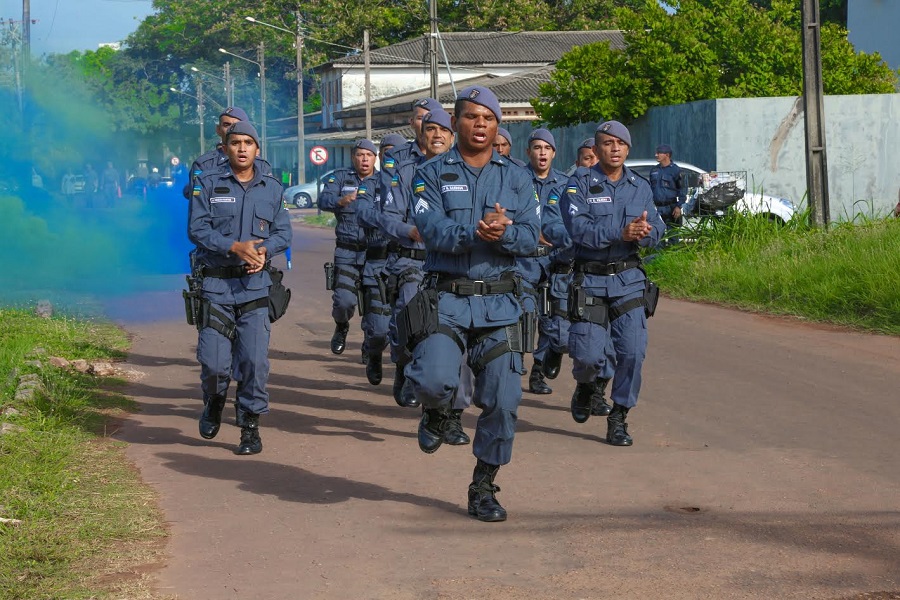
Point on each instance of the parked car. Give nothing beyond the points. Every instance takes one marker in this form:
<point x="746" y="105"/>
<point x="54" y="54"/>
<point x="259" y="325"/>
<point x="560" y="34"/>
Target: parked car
<point x="304" y="195"/>
<point x="713" y="193"/>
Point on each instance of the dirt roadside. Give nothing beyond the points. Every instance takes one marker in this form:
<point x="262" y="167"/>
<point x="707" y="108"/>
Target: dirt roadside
<point x="765" y="465"/>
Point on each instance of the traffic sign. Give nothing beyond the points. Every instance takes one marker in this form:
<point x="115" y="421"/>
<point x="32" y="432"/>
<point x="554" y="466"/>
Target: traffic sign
<point x="318" y="155"/>
<point x="175" y="162"/>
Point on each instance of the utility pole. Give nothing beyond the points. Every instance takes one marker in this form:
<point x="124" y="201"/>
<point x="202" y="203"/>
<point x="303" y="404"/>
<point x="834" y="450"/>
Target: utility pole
<point x="432" y="47"/>
<point x="301" y="133"/>
<point x="200" y="113"/>
<point x="229" y="85"/>
<point x="814" y="113"/>
<point x="26" y="32"/>
<point x="366" y="59"/>
<point x="261" y="57"/>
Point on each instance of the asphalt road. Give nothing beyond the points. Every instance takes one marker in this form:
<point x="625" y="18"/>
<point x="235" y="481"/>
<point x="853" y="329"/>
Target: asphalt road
<point x="766" y="464"/>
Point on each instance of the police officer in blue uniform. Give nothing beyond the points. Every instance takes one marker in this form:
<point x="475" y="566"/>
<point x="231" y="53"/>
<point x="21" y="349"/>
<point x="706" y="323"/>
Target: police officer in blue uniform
<point x="416" y="147"/>
<point x="238" y="223"/>
<point x="476" y="212"/>
<point x="612" y="216"/>
<point x="339" y="196"/>
<point x="586" y="157"/>
<point x="216" y="158"/>
<point x="534" y="269"/>
<point x="668" y="192"/>
<point x="503" y="146"/>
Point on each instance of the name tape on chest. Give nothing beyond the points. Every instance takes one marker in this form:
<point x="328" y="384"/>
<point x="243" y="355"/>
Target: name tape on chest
<point x="599" y="200"/>
<point x="454" y="187"/>
<point x="221" y="199"/>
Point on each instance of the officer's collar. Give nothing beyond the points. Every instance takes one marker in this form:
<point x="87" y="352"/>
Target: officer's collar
<point x="598" y="176"/>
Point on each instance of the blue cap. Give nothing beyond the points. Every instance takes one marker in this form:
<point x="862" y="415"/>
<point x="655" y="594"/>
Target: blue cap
<point x="504" y="133"/>
<point x="365" y="144"/>
<point x="587" y="143"/>
<point x="478" y="94"/>
<point x="392" y="139"/>
<point x="235" y="113"/>
<point x="429" y="104"/>
<point x="615" y="129"/>
<point x="438" y="117"/>
<point x="243" y="128"/>
<point x="664" y="149"/>
<point x="543" y="135"/>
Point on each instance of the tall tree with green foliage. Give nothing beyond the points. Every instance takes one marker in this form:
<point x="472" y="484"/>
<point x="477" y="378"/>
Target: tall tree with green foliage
<point x="706" y="49"/>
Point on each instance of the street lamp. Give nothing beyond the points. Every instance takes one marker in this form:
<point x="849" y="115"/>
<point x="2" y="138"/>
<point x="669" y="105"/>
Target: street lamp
<point x="229" y="85"/>
<point x="199" y="98"/>
<point x="298" y="43"/>
<point x="261" y="55"/>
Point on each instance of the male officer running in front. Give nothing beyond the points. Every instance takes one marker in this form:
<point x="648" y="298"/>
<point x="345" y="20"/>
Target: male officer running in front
<point x="476" y="212"/>
<point x="238" y="223"/>
<point x="339" y="197"/>
<point x="611" y="216"/>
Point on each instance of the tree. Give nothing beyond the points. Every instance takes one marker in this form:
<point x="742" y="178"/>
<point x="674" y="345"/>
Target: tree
<point x="706" y="49"/>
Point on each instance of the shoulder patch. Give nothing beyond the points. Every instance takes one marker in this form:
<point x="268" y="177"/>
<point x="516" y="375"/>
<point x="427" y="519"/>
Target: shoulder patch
<point x="572" y="189"/>
<point x="418" y="187"/>
<point x="389" y="163"/>
<point x="421" y="206"/>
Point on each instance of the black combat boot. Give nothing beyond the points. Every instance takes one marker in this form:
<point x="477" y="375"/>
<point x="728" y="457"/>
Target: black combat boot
<point x="536" y="383"/>
<point x="552" y="363"/>
<point x="339" y="339"/>
<point x="373" y="369"/>
<point x="581" y="401"/>
<point x="599" y="407"/>
<point x="211" y="418"/>
<point x="431" y="429"/>
<point x="482" y="503"/>
<point x="250" y="441"/>
<point x="403" y="394"/>
<point x="616" y="428"/>
<point x="454" y="434"/>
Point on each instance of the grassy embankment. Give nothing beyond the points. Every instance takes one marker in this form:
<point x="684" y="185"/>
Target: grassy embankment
<point x="848" y="274"/>
<point x="86" y="523"/>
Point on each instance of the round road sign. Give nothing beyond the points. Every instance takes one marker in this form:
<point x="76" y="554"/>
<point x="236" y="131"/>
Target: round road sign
<point x="318" y="155"/>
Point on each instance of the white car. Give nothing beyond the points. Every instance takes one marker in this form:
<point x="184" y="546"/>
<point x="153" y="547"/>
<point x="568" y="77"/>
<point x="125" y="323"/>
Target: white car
<point x="304" y="195"/>
<point x="712" y="193"/>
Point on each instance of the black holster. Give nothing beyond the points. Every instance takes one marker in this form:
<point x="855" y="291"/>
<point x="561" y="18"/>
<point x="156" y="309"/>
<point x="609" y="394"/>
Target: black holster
<point x="279" y="296"/>
<point x="651" y="298"/>
<point x="418" y="319"/>
<point x="329" y="275"/>
<point x="586" y="308"/>
<point x="526" y="332"/>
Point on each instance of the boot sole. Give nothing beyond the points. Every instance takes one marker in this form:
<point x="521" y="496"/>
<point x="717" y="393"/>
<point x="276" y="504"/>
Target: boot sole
<point x="210" y="436"/>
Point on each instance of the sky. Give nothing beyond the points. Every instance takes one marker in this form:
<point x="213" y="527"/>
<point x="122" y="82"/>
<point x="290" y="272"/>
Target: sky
<point x="66" y="25"/>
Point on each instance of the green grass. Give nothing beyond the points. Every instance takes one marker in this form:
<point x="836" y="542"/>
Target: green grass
<point x="323" y="220"/>
<point x="848" y="274"/>
<point x="87" y="520"/>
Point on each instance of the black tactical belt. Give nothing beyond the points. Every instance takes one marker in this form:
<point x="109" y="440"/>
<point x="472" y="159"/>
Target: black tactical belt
<point x="231" y="272"/>
<point x="475" y="287"/>
<point x="354" y="246"/>
<point x="539" y="252"/>
<point x="393" y="247"/>
<point x="376" y="253"/>
<point x="560" y="268"/>
<point x="598" y="268"/>
<point x="413" y="253"/>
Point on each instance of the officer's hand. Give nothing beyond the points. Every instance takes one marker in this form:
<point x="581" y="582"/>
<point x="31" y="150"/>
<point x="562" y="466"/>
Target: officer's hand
<point x="346" y="200"/>
<point x="676" y="212"/>
<point x="253" y="257"/>
<point x="543" y="241"/>
<point x="493" y="224"/>
<point x="414" y="234"/>
<point x="637" y="229"/>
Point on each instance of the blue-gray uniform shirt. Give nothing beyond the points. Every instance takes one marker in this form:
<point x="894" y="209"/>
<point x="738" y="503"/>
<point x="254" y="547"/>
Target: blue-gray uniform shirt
<point x="548" y="191"/>
<point x="339" y="184"/>
<point x="396" y="185"/>
<point x="449" y="198"/>
<point x="368" y="211"/>
<point x="402" y="153"/>
<point x="223" y="211"/>
<point x="598" y="211"/>
<point x="666" y="185"/>
<point x="215" y="160"/>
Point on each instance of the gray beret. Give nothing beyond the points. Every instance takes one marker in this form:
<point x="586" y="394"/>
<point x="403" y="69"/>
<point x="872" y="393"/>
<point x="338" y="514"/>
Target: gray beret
<point x="365" y="144"/>
<point x="439" y="117"/>
<point x="504" y="133"/>
<point x="543" y="135"/>
<point x="478" y="94"/>
<point x="615" y="129"/>
<point x="428" y="104"/>
<point x="664" y="149"/>
<point x="392" y="139"/>
<point x="588" y="143"/>
<point x="244" y="128"/>
<point x="235" y="113"/>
